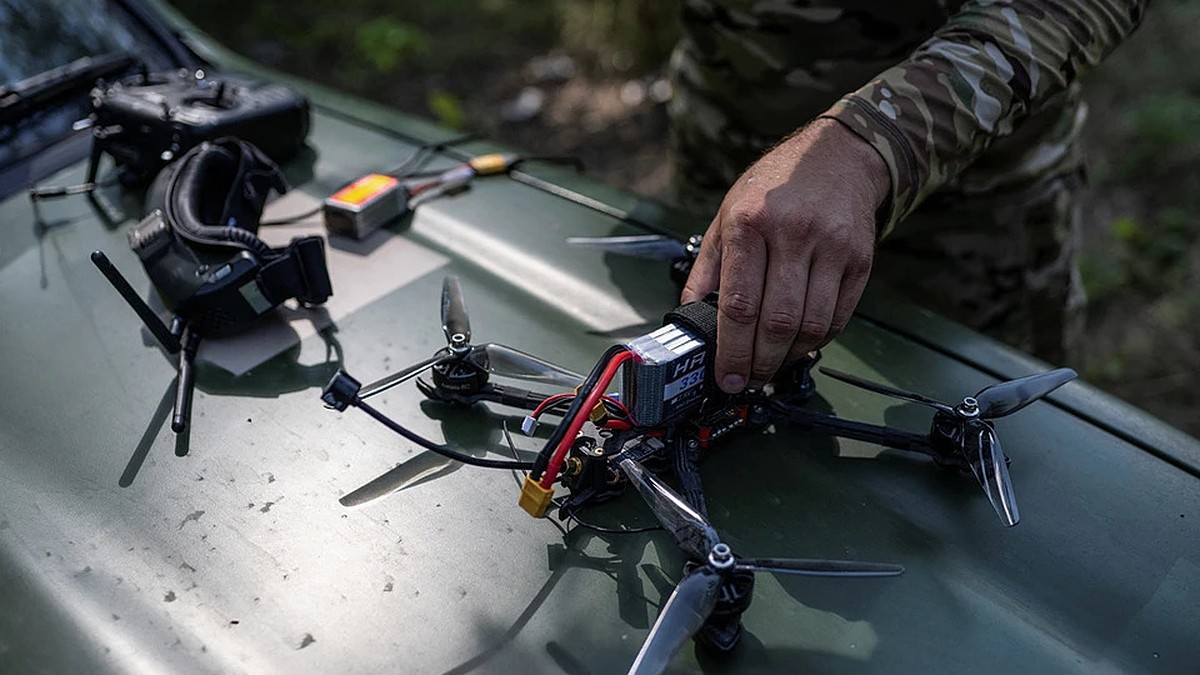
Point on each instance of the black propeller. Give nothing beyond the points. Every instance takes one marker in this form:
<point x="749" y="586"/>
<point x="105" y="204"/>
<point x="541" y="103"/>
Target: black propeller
<point x="694" y="599"/>
<point x="383" y="384"/>
<point x="456" y="324"/>
<point x="973" y="434"/>
<point x="993" y="401"/>
<point x="489" y="358"/>
<point x="886" y="390"/>
<point x="1006" y="398"/>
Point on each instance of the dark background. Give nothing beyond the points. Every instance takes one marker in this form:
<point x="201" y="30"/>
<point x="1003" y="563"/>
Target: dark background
<point x="583" y="77"/>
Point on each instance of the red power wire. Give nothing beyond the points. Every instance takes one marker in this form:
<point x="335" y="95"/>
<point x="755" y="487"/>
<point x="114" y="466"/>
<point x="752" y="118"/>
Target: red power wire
<point x="593" y="397"/>
<point x="549" y="401"/>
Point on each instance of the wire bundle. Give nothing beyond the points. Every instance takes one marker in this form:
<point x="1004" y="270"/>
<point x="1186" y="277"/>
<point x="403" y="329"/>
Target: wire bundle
<point x="550" y="459"/>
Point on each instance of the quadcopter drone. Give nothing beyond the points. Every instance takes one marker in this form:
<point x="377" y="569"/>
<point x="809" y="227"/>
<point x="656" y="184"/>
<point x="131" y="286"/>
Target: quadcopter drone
<point x="667" y="414"/>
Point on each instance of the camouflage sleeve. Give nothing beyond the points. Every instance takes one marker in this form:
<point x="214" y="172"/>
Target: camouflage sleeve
<point x="992" y="64"/>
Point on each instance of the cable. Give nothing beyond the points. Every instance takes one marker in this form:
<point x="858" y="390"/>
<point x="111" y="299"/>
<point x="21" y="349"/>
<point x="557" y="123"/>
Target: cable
<point x="439" y="182"/>
<point x="569" y="160"/>
<point x="610" y="402"/>
<point x="577" y="418"/>
<point x="561" y="528"/>
<point x="612" y="530"/>
<point x="423" y="153"/>
<point x="612" y="407"/>
<point x="543" y="458"/>
<point x="519" y="176"/>
<point x="288" y="220"/>
<point x="550" y="403"/>
<point x="423" y="187"/>
<point x="518" y="476"/>
<point x="427" y="173"/>
<point x="441" y="449"/>
<point x="573" y="516"/>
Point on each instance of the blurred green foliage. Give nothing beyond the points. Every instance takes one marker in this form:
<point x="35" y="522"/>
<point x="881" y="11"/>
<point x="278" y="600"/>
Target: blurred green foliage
<point x="386" y="42"/>
<point x="447" y="109"/>
<point x="1151" y="260"/>
<point x="451" y="45"/>
<point x="1140" y="265"/>
<point x="1162" y="130"/>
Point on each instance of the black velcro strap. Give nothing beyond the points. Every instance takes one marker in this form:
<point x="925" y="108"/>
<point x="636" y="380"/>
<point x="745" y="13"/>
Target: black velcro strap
<point x="299" y="273"/>
<point x="699" y="317"/>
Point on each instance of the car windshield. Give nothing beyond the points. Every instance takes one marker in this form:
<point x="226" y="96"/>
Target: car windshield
<point x="40" y="37"/>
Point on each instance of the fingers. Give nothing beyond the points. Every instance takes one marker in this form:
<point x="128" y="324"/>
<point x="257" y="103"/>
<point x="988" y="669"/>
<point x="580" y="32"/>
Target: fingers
<point x="854" y="282"/>
<point x="790" y="250"/>
<point x="820" y="302"/>
<point x="781" y="314"/>
<point x="786" y="334"/>
<point x="778" y="299"/>
<point x="743" y="269"/>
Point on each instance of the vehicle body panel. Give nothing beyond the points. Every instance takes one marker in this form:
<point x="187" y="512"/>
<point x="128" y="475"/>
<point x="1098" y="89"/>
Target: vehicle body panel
<point x="124" y="549"/>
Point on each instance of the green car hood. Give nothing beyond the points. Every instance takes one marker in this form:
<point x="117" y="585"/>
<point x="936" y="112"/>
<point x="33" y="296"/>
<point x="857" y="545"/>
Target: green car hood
<point x="126" y="549"/>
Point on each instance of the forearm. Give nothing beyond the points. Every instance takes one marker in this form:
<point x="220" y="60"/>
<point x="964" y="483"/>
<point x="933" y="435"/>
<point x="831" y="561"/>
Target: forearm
<point x="975" y="79"/>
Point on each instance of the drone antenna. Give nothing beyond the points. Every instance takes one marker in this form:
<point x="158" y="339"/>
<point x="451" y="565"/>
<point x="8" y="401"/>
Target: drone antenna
<point x="185" y="385"/>
<point x="153" y="323"/>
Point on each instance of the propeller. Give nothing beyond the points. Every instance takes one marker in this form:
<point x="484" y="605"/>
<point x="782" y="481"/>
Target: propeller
<point x="886" y="390"/>
<point x="456" y="324"/>
<point x="683" y="614"/>
<point x="383" y="384"/>
<point x="650" y="246"/>
<point x="490" y="357"/>
<point x="681" y="255"/>
<point x="974" y="436"/>
<point x="990" y="466"/>
<point x="997" y="400"/>
<point x="511" y="362"/>
<point x="694" y="599"/>
<point x="686" y="525"/>
<point x="1008" y="397"/>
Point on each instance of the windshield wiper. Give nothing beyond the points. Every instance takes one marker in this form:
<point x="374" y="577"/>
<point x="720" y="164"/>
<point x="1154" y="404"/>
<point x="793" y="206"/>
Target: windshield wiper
<point x="17" y="100"/>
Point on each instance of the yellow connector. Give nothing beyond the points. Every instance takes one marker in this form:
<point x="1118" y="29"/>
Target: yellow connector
<point x="535" y="499"/>
<point x="598" y="412"/>
<point x="486" y="165"/>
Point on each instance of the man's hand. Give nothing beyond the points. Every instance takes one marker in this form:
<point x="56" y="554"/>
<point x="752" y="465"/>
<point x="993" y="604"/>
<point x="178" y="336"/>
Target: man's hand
<point x="791" y="249"/>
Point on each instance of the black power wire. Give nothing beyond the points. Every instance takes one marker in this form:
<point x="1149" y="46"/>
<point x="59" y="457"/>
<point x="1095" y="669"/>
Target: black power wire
<point x="441" y="449"/>
<point x="543" y="458"/>
<point x="407" y="168"/>
<point x="573" y="515"/>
